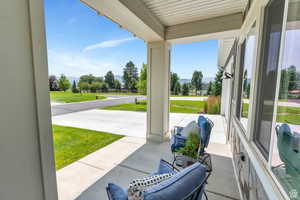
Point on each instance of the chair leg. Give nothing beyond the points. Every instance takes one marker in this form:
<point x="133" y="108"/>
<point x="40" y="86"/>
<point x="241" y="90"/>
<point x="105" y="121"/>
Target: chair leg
<point x="206" y="198"/>
<point x="174" y="160"/>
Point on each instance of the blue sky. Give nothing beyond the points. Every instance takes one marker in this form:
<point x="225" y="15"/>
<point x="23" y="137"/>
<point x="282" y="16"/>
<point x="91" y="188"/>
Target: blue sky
<point x="81" y="42"/>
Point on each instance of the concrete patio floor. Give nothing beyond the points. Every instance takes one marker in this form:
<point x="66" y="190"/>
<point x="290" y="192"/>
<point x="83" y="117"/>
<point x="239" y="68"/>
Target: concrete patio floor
<point x="221" y="185"/>
<point x="131" y="157"/>
<point x="131" y="123"/>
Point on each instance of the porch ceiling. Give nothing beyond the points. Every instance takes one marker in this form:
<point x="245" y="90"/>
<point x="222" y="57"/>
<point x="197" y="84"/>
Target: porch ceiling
<point x="173" y="12"/>
<point x="178" y="21"/>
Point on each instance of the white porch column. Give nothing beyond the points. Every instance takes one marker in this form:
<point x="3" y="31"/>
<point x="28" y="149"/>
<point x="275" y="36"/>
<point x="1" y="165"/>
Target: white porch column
<point x="27" y="168"/>
<point x="158" y="91"/>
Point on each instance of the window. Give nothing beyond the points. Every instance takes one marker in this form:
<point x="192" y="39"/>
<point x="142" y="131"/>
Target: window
<point x="267" y="76"/>
<point x="285" y="160"/>
<point x="247" y="64"/>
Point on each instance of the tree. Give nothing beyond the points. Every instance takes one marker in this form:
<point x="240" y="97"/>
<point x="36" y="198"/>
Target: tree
<point x="99" y="79"/>
<point x="118" y="85"/>
<point x="174" y="80"/>
<point x="143" y="80"/>
<point x="292" y="74"/>
<point x="197" y="80"/>
<point x="210" y="88"/>
<point x="96" y="86"/>
<point x="185" y="89"/>
<point x="104" y="87"/>
<point x="130" y="77"/>
<point x="284" y="84"/>
<point x="84" y="86"/>
<point x="87" y="78"/>
<point x="53" y="85"/>
<point x="64" y="83"/>
<point x="248" y="90"/>
<point x="109" y="79"/>
<point x="217" y="86"/>
<point x="74" y="87"/>
<point x="177" y="88"/>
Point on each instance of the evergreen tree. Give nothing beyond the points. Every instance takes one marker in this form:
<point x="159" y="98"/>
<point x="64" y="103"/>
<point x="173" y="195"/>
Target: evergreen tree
<point x="217" y="89"/>
<point x="110" y="79"/>
<point x="292" y="74"/>
<point x="130" y="77"/>
<point x="248" y="90"/>
<point x="210" y="88"/>
<point x="74" y="87"/>
<point x="174" y="80"/>
<point x="64" y="83"/>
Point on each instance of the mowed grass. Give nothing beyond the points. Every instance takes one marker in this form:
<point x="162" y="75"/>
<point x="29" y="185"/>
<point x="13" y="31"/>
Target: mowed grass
<point x="69" y="97"/>
<point x="71" y="144"/>
<point x="176" y="106"/>
<point x="285" y="114"/>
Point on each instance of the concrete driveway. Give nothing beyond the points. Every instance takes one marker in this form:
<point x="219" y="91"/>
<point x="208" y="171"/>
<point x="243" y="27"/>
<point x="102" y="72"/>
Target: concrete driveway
<point x="131" y="123"/>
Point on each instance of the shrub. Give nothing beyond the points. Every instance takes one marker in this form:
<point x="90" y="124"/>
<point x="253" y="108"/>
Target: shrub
<point x="213" y="105"/>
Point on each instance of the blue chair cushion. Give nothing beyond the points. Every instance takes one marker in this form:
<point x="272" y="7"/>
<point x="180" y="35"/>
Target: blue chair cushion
<point x="288" y="143"/>
<point x="179" y="185"/>
<point x="177" y="141"/>
<point x="115" y="192"/>
<point x="164" y="168"/>
<point x="205" y="130"/>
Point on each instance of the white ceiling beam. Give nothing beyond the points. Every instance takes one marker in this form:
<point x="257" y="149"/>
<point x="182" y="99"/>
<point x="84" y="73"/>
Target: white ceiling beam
<point x="207" y="29"/>
<point x="132" y="15"/>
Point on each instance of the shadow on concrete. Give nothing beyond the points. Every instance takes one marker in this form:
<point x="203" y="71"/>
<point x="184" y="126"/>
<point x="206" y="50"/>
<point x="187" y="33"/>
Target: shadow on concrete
<point x="221" y="185"/>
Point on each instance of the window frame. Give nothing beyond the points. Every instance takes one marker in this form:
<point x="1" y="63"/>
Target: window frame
<point x="268" y="162"/>
<point x="255" y="24"/>
<point x="265" y="153"/>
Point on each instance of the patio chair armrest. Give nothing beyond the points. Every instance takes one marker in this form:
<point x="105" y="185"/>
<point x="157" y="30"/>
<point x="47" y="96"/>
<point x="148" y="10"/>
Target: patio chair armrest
<point x="170" y="165"/>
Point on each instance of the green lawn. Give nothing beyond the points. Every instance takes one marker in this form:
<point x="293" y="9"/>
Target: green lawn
<point x="71" y="144"/>
<point x="69" y="97"/>
<point x="285" y="114"/>
<point x="176" y="106"/>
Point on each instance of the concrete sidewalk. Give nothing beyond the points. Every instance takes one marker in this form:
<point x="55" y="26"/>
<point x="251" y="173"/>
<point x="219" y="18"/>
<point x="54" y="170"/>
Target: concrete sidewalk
<point x="131" y="123"/>
<point x="75" y="178"/>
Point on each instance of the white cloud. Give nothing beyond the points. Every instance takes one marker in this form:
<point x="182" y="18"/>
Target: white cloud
<point x="107" y="44"/>
<point x="77" y="64"/>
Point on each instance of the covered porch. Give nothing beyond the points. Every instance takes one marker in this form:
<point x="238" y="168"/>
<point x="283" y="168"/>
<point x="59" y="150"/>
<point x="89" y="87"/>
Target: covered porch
<point x="132" y="157"/>
<point x="28" y="161"/>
